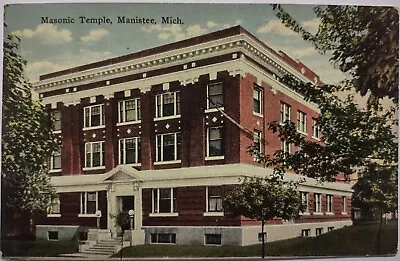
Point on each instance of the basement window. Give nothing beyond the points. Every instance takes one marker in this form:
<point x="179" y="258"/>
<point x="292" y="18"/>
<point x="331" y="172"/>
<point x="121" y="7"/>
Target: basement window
<point x="163" y="238"/>
<point x="213" y="239"/>
<point x="52" y="235"/>
<point x="306" y="232"/>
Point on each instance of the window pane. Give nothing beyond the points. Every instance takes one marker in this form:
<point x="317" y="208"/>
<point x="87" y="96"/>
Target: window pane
<point x="215" y="133"/>
<point x="87" y="117"/>
<point x="169" y="147"/>
<point x="130" y="150"/>
<point x="215" y="89"/>
<point x="130" y="108"/>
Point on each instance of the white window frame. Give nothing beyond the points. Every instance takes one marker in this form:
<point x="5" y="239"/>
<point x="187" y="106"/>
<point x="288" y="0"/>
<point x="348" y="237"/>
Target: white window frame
<point x="209" y="234"/>
<point x="170" y="235"/>
<point x="286" y="147"/>
<point x="344" y="211"/>
<point x="102" y="151"/>
<point x="160" y="158"/>
<point x="329" y="204"/>
<point x="122" y="160"/>
<point x="83" y="212"/>
<point x="176" y="106"/>
<point x="52" y="168"/>
<point x="87" y="125"/>
<point x="316" y="131"/>
<point x="50" y="210"/>
<point x="211" y="212"/>
<point x="317" y="204"/>
<point x="302" y="122"/>
<point x="305" y="200"/>
<point x="285" y="113"/>
<point x="55" y="119"/>
<point x="319" y="231"/>
<point x="122" y="112"/>
<point x="210" y="107"/>
<point x="260" y="94"/>
<point x="155" y="207"/>
<point x="216" y="157"/>
<point x="306" y="232"/>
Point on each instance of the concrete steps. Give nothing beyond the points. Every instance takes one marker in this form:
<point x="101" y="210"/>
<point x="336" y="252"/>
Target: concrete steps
<point x="103" y="247"/>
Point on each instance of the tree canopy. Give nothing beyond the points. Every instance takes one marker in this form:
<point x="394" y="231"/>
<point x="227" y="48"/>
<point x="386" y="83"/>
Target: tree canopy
<point x="364" y="42"/>
<point x="27" y="140"/>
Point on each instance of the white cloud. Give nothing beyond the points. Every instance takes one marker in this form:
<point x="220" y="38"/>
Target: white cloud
<point x="195" y="30"/>
<point x="302" y="52"/>
<point x="275" y="26"/>
<point x="175" y="31"/>
<point x="94" y="35"/>
<point x="212" y="24"/>
<point x="163" y="36"/>
<point x="48" y="34"/>
<point x="311" y="25"/>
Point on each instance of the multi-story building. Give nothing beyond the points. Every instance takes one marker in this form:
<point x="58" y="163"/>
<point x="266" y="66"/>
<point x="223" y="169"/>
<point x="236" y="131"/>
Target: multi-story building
<point x="165" y="132"/>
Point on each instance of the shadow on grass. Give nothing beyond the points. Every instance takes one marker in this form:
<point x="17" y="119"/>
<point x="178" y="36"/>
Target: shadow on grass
<point x="12" y="247"/>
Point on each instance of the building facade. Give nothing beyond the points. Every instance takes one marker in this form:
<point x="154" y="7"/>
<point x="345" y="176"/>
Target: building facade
<point x="165" y="132"/>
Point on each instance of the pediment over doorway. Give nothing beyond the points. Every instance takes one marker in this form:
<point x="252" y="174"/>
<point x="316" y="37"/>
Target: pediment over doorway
<point x="121" y="173"/>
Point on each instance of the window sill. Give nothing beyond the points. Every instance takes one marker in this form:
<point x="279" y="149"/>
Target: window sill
<point x="128" y="123"/>
<point x="88" y="215"/>
<point x="302" y="133"/>
<point x="305" y="214"/>
<point x="54" y="170"/>
<point x="215" y="158"/>
<point x="131" y="164"/>
<point x="214" y="109"/>
<point x="167" y="162"/>
<point x="56" y="131"/>
<point x="174" y="214"/>
<point x="318" y="213"/>
<point x="329" y="213"/>
<point x="344" y="213"/>
<point x="213" y="214"/>
<point x="94" y="127"/>
<point x="94" y="168"/>
<point x="316" y="138"/>
<point x="258" y="114"/>
<point x="53" y="215"/>
<point x="167" y="117"/>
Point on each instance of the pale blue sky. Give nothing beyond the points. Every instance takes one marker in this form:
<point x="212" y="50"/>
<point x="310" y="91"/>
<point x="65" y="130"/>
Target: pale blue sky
<point x="48" y="47"/>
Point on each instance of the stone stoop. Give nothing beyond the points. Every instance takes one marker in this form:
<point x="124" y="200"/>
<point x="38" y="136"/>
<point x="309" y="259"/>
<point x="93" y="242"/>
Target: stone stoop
<point x="103" y="247"/>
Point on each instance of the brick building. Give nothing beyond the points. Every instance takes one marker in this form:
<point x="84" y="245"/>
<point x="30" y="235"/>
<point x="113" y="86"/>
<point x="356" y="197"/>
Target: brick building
<point x="165" y="131"/>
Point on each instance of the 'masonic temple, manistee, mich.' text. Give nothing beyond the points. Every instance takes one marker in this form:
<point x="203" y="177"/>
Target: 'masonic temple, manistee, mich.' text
<point x="109" y="20"/>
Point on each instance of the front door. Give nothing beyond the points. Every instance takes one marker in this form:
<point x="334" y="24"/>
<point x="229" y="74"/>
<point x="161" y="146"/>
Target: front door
<point x="127" y="203"/>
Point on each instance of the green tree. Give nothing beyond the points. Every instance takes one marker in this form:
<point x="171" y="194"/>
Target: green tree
<point x="264" y="199"/>
<point x="27" y="141"/>
<point x="363" y="41"/>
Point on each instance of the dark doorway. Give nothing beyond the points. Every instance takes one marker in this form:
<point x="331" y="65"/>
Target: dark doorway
<point x="127" y="203"/>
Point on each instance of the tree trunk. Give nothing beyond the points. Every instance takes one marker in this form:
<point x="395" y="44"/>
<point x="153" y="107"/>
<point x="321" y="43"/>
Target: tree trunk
<point x="378" y="236"/>
<point x="263" y="239"/>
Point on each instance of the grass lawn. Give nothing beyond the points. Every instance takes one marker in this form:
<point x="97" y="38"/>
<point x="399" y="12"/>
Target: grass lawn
<point x="353" y="240"/>
<point x="37" y="247"/>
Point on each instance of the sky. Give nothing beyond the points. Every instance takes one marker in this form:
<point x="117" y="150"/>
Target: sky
<point x="51" y="47"/>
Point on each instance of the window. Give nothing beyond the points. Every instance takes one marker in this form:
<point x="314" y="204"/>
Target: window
<point x="214" y="199"/>
<point x="319" y="231"/>
<point x="129" y="110"/>
<point x="167" y="104"/>
<point x="89" y="202"/>
<point x="215" y="96"/>
<point x="285" y="112"/>
<point x="215" y="142"/>
<point x="329" y="199"/>
<point x="317" y="202"/>
<point x="55" y="160"/>
<point x="331" y="229"/>
<point x="163" y="238"/>
<point x="258" y="141"/>
<point x="94" y="116"/>
<point x="94" y="154"/>
<point x="301" y="122"/>
<point x="52" y="235"/>
<point x="213" y="239"/>
<point x="55" y="206"/>
<point x="56" y="117"/>
<point x="164" y="200"/>
<point x="257" y="100"/>
<point x="305" y="232"/>
<point x="129" y="151"/>
<point x="286" y="147"/>
<point x="315" y="129"/>
<point x="168" y="147"/>
<point x="261" y="235"/>
<point x="304" y="199"/>
<point x="344" y="205"/>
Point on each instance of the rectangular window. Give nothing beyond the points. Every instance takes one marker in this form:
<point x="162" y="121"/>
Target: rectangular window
<point x="129" y="151"/>
<point x="94" y="154"/>
<point x="215" y="96"/>
<point x="55" y="160"/>
<point x="163" y="238"/>
<point x="301" y="122"/>
<point x="129" y="110"/>
<point x="89" y="202"/>
<point x="257" y="100"/>
<point x="319" y="231"/>
<point x="56" y="117"/>
<point x="167" y="104"/>
<point x="261" y="235"/>
<point x="317" y="202"/>
<point x="164" y="200"/>
<point x="215" y="142"/>
<point x="344" y="205"/>
<point x="257" y="140"/>
<point x="331" y="229"/>
<point x="285" y="112"/>
<point x="329" y="205"/>
<point x="304" y="199"/>
<point x="52" y="235"/>
<point x="305" y="232"/>
<point x="286" y="147"/>
<point x="315" y="129"/>
<point x="55" y="207"/>
<point x="214" y="199"/>
<point x="168" y="147"/>
<point x="94" y="116"/>
<point x="213" y="239"/>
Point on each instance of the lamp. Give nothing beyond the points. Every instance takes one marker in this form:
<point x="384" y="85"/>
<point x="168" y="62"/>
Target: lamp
<point x="131" y="212"/>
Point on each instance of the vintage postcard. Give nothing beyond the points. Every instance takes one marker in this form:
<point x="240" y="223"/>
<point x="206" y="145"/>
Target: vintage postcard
<point x="194" y="130"/>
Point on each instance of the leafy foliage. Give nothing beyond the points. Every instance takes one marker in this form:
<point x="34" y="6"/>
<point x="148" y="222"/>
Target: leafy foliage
<point x="364" y="41"/>
<point x="122" y="219"/>
<point x="27" y="140"/>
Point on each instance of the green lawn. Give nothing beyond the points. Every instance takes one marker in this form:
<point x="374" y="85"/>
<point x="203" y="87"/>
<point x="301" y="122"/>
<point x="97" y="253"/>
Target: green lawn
<point x="37" y="247"/>
<point x="352" y="240"/>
